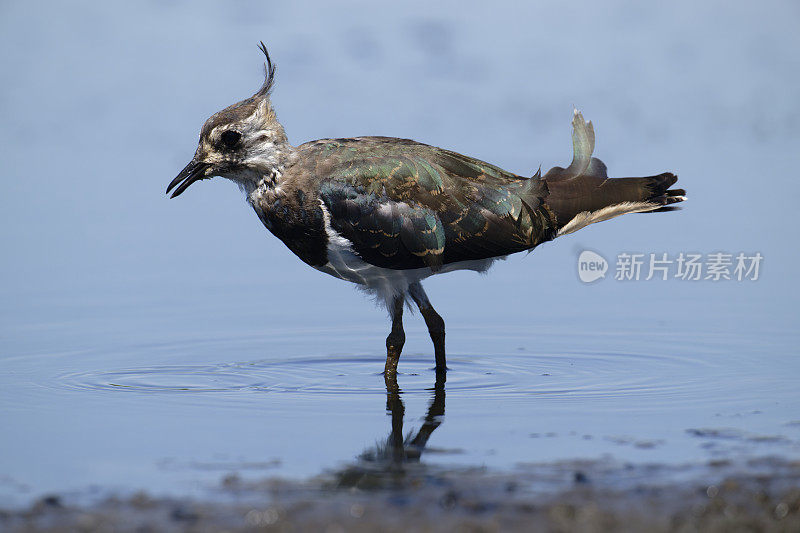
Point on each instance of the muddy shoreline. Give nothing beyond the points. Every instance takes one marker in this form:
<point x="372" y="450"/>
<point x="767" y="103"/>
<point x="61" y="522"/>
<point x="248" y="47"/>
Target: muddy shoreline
<point x="762" y="495"/>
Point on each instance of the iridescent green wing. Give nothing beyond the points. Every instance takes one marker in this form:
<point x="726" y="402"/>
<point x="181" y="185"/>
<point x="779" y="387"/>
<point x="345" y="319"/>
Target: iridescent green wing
<point x="407" y="205"/>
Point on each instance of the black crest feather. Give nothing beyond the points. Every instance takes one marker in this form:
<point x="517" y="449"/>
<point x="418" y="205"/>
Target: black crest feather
<point x="269" y="72"/>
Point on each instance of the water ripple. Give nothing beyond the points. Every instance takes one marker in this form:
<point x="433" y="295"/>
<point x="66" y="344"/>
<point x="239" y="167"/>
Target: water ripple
<point x="559" y="375"/>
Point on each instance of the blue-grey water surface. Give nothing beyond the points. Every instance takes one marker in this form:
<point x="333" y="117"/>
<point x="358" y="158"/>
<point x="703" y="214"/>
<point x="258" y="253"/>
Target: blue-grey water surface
<point x="158" y="344"/>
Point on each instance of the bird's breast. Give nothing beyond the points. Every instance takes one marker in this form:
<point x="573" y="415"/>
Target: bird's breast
<point x="298" y="225"/>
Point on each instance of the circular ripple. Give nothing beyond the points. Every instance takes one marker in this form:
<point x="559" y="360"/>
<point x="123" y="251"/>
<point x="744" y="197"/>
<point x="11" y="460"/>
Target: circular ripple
<point x="305" y="375"/>
<point x="564" y="375"/>
<point x="160" y="379"/>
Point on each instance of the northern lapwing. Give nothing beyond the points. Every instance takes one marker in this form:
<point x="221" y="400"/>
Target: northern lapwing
<point x="386" y="213"/>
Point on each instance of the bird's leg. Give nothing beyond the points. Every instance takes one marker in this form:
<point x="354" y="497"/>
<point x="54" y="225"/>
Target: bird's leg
<point x="395" y="340"/>
<point x="435" y="325"/>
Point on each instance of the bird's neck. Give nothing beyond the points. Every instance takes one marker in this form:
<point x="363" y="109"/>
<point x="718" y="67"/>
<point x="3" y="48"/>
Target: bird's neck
<point x="264" y="183"/>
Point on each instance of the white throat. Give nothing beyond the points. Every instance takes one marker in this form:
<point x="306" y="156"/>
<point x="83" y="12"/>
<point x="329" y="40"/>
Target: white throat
<point x="263" y="188"/>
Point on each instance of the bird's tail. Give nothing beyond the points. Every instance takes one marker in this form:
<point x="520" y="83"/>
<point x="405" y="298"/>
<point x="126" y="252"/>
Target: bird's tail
<point x="583" y="194"/>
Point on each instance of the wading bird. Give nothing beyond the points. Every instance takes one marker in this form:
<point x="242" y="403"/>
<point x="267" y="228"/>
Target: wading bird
<point x="386" y="213"/>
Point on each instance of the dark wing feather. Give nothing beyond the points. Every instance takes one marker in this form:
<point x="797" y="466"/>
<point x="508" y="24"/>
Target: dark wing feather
<point x="407" y="205"/>
<point x="384" y="232"/>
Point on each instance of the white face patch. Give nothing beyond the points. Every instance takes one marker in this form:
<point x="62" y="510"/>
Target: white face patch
<point x="261" y="154"/>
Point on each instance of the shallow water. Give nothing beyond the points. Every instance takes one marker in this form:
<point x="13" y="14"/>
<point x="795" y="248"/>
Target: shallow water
<point x="147" y="343"/>
<point x="177" y="416"/>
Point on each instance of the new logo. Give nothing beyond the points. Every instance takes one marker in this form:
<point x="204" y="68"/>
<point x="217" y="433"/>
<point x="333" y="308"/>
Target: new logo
<point x="591" y="266"/>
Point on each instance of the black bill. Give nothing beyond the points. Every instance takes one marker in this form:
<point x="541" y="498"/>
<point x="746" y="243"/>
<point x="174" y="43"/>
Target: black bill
<point x="194" y="171"/>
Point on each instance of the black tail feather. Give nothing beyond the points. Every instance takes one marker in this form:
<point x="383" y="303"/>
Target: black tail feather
<point x="659" y="187"/>
<point x="582" y="193"/>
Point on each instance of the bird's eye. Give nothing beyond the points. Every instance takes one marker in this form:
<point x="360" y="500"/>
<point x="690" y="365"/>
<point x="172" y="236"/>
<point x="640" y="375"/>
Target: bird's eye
<point x="230" y="138"/>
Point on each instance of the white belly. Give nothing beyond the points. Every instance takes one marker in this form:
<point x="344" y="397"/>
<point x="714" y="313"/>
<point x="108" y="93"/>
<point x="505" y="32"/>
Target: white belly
<point x="385" y="283"/>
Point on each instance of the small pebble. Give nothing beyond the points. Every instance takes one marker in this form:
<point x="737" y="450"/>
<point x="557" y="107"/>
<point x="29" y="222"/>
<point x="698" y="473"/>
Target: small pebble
<point x="356" y="510"/>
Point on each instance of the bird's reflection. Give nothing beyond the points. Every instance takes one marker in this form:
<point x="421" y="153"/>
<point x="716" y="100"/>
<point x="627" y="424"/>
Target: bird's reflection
<point x="387" y="463"/>
<point x="410" y="449"/>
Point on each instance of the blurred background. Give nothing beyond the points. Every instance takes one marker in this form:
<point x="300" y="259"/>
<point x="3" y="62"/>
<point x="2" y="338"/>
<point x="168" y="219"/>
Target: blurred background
<point x="102" y="104"/>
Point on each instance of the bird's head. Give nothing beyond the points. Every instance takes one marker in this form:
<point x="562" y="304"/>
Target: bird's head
<point x="244" y="142"/>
